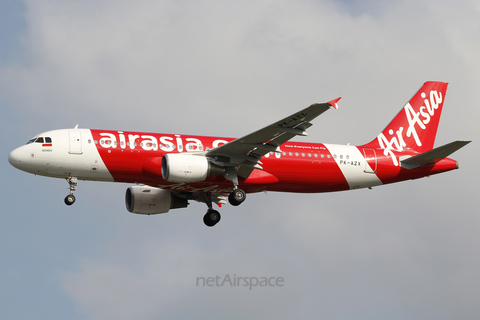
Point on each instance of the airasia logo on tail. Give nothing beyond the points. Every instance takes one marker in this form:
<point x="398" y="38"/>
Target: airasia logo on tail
<point x="416" y="120"/>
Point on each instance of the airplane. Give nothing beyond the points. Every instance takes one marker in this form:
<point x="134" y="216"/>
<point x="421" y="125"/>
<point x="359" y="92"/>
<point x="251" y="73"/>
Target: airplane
<point x="168" y="170"/>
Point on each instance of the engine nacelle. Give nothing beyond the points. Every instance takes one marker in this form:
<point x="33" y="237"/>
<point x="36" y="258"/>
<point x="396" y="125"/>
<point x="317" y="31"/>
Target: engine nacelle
<point x="182" y="167"/>
<point x="149" y="200"/>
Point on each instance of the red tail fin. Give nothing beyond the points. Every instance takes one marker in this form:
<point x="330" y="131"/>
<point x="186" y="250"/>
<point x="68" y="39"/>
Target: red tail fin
<point x="415" y="126"/>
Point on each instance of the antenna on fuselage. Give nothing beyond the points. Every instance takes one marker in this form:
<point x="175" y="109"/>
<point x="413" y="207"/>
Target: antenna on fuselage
<point x="76" y="127"/>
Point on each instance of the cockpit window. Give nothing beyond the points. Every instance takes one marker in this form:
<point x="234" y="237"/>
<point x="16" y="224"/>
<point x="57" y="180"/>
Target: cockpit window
<point x="40" y="140"/>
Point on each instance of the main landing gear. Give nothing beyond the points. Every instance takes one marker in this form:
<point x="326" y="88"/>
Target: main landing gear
<point x="235" y="198"/>
<point x="211" y="218"/>
<point x="72" y="185"/>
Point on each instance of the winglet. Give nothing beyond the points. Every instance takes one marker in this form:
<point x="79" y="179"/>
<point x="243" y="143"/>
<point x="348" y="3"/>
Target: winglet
<point x="334" y="103"/>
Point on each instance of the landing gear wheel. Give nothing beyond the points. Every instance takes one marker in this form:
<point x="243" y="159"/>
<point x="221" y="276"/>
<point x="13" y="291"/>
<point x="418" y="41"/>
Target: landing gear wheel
<point x="211" y="218"/>
<point x="237" y="197"/>
<point x="72" y="186"/>
<point x="69" y="200"/>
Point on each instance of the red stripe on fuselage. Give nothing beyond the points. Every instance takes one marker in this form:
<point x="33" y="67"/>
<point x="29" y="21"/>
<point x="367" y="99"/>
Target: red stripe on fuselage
<point x="300" y="168"/>
<point x="387" y="172"/>
<point x="304" y="167"/>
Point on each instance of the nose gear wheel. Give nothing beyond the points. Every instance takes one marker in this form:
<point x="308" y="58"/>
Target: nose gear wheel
<point x="72" y="185"/>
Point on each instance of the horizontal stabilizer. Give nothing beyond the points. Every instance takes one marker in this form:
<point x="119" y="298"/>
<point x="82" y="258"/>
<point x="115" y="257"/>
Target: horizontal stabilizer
<point x="432" y="156"/>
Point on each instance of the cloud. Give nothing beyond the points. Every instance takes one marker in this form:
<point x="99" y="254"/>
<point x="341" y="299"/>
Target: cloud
<point x="227" y="69"/>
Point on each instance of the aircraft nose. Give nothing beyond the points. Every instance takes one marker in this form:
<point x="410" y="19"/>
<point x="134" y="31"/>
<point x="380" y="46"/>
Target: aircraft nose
<point x="15" y="158"/>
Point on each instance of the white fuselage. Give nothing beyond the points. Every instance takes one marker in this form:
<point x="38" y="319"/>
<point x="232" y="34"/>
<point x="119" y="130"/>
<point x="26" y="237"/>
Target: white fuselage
<point x="72" y="154"/>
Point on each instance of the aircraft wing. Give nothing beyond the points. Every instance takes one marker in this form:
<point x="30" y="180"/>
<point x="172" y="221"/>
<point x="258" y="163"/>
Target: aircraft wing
<point x="245" y="153"/>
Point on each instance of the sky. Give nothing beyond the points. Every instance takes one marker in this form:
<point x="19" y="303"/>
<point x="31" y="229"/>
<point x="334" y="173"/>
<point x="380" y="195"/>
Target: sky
<point x="224" y="68"/>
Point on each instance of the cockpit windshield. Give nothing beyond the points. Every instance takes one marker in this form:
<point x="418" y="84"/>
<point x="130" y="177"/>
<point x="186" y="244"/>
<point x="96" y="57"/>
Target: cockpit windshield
<point x="40" y="140"/>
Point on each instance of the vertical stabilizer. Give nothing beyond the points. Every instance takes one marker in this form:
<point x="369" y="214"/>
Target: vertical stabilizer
<point x="415" y="126"/>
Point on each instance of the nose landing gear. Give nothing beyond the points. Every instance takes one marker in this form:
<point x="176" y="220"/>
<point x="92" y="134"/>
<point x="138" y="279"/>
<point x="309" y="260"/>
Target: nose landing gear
<point x="72" y="185"/>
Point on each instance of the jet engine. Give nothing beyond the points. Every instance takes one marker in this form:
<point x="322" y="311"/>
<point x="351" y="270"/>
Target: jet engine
<point x="178" y="167"/>
<point x="149" y="200"/>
